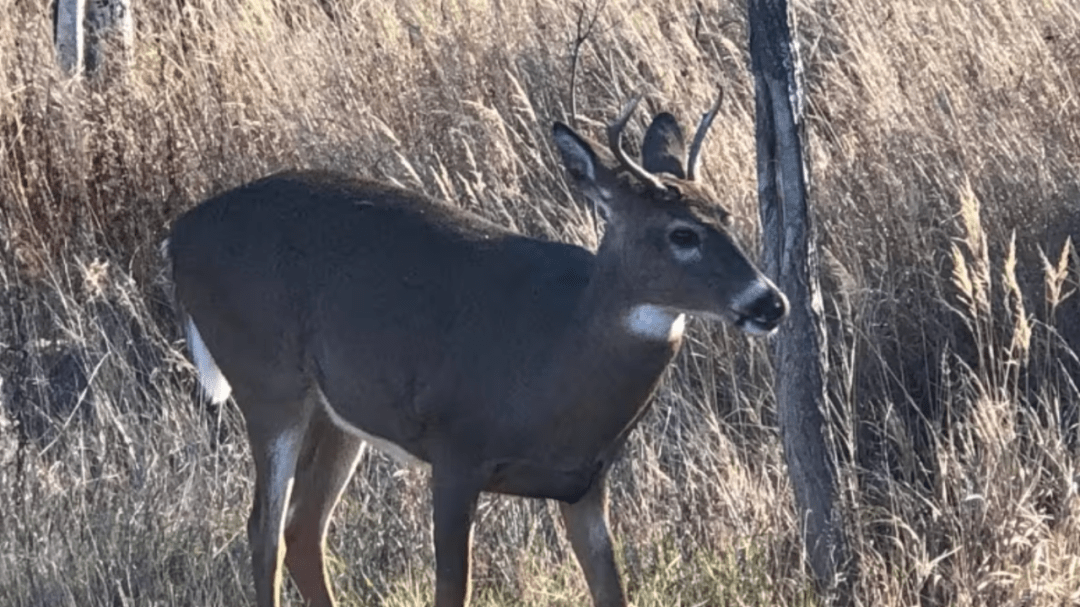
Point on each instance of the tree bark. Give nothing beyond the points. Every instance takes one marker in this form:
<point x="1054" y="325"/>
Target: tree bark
<point x="789" y="259"/>
<point x="97" y="36"/>
<point x="109" y="36"/>
<point x="69" y="35"/>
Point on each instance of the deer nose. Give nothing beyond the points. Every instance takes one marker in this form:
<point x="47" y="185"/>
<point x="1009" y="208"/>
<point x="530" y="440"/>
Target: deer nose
<point x="770" y="309"/>
<point x="763" y="313"/>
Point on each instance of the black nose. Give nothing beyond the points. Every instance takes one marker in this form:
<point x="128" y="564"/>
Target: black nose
<point x="769" y="309"/>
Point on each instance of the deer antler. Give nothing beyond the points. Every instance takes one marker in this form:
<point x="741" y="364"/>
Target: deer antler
<point x="699" y="137"/>
<point x="614" y="133"/>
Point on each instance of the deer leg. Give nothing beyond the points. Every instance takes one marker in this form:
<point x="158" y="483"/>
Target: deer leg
<point x="275" y="451"/>
<point x="323" y="470"/>
<point x="454" y="497"/>
<point x="587" y="527"/>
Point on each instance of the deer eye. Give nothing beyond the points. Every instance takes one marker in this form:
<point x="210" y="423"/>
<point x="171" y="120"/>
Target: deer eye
<point x="684" y="238"/>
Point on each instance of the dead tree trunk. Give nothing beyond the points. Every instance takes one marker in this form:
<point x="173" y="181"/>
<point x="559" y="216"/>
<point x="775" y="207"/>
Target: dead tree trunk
<point x="109" y="34"/>
<point x="69" y="37"/>
<point x="789" y="259"/>
<point x="95" y="35"/>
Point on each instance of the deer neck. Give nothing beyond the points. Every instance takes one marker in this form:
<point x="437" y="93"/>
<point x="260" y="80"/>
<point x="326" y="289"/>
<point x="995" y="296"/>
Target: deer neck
<point x="613" y="362"/>
<point x="615" y="308"/>
<point x="621" y="324"/>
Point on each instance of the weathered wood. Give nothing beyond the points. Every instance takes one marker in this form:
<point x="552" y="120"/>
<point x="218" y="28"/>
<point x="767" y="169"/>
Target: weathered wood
<point x="790" y="260"/>
<point x="109" y="36"/>
<point x="69" y="35"/>
<point x="95" y="36"/>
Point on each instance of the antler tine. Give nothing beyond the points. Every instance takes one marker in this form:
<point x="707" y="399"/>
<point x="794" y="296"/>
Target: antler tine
<point x="699" y="137"/>
<point x="614" y="133"/>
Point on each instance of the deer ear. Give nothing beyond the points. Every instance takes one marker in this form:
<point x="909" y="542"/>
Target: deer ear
<point x="663" y="150"/>
<point x="590" y="175"/>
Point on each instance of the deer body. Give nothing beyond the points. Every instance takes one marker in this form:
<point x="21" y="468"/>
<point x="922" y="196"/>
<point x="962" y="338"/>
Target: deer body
<point x="326" y="290"/>
<point x="341" y="310"/>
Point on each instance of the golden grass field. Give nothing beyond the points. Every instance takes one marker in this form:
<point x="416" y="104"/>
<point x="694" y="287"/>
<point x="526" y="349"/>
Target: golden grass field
<point x="940" y="132"/>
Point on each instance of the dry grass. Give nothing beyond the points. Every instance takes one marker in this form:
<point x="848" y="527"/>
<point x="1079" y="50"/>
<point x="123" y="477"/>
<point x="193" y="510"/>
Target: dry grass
<point x="945" y="149"/>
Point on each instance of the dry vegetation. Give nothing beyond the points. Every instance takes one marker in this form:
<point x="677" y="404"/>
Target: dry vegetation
<point x="945" y="149"/>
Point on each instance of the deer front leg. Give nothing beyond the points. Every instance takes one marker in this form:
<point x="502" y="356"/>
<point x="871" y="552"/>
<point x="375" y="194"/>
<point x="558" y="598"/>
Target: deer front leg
<point x="454" y="496"/>
<point x="587" y="527"/>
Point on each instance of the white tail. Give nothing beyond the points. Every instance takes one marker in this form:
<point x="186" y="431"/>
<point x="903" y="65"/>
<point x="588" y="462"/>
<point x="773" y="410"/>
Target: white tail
<point x="211" y="378"/>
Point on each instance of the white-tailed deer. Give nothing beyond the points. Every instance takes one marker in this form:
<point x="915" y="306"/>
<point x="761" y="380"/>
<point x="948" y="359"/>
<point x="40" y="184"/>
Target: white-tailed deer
<point x="338" y="311"/>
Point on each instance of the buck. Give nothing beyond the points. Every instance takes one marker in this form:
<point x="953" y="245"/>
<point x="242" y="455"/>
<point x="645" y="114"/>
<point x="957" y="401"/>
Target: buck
<point x="338" y="311"/>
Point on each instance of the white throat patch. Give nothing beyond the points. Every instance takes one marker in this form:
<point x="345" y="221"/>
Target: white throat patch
<point x="655" y="323"/>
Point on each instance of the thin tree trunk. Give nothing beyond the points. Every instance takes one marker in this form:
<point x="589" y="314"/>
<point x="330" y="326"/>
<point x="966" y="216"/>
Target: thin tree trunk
<point x="69" y="35"/>
<point x="790" y="259"/>
<point x="109" y="36"/>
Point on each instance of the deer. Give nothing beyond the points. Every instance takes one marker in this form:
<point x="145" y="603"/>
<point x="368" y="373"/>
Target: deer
<point x="338" y="311"/>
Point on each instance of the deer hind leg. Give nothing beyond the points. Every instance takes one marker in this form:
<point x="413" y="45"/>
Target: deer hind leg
<point x="587" y="527"/>
<point x="324" y="468"/>
<point x="275" y="450"/>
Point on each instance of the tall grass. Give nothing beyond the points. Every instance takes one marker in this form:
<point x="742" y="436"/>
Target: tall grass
<point x="945" y="150"/>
